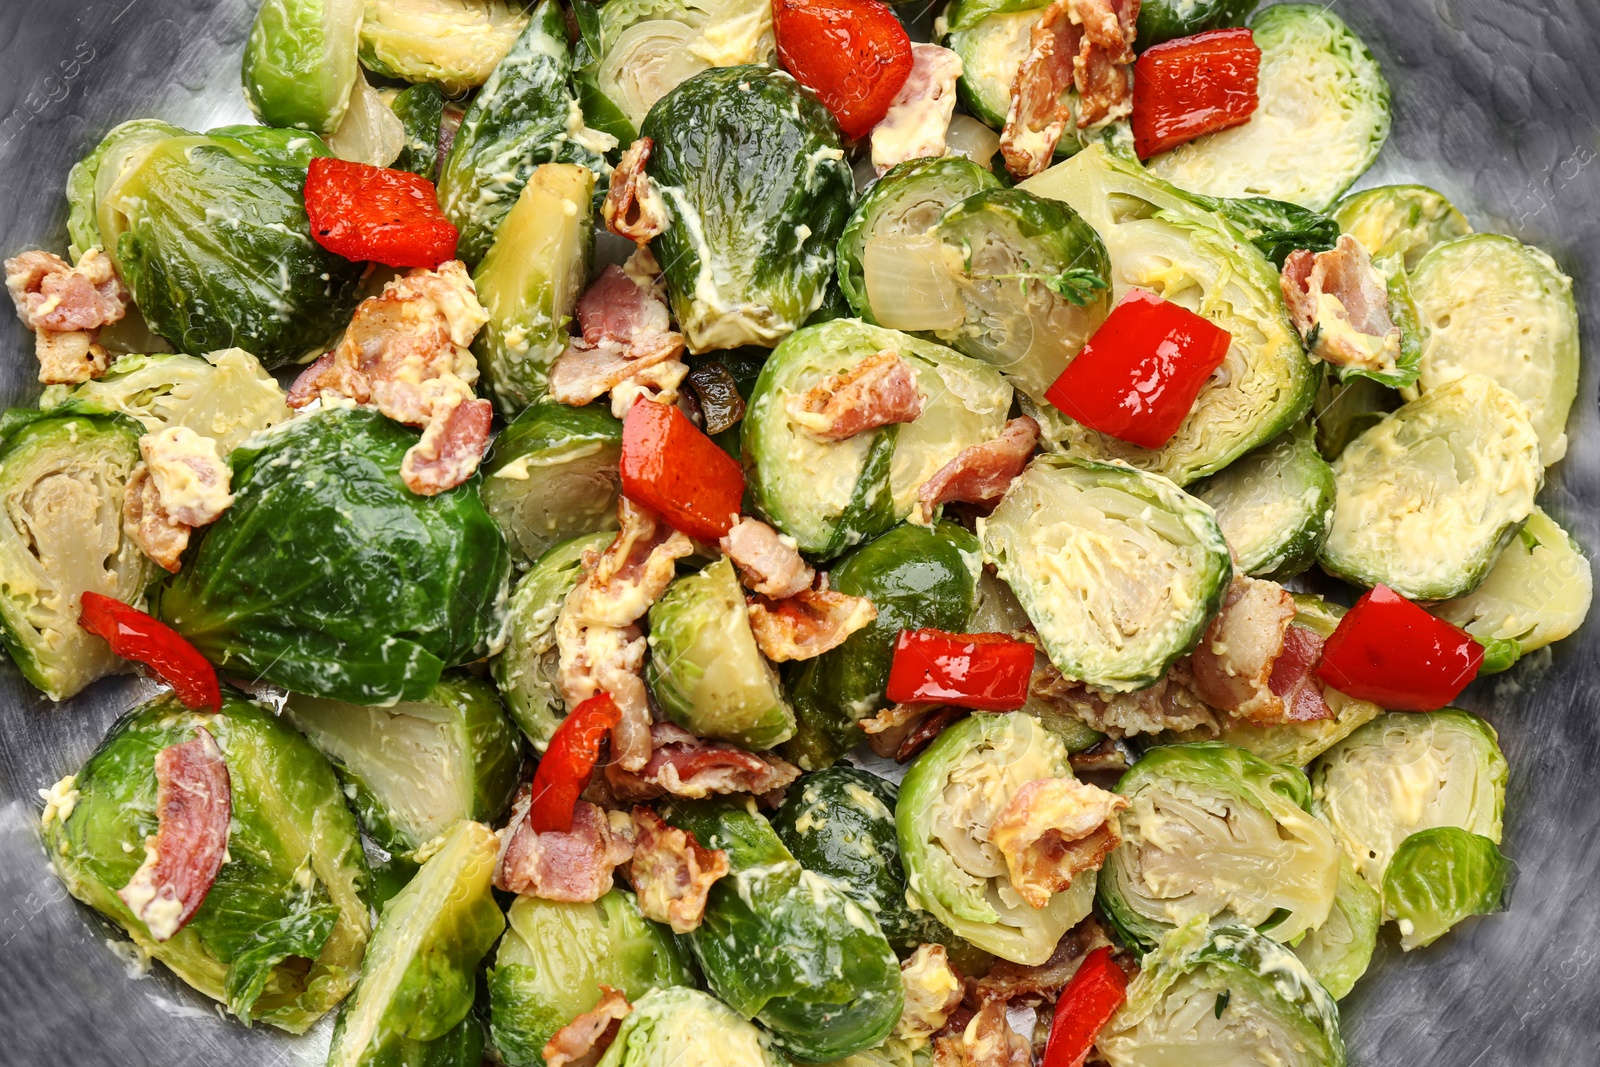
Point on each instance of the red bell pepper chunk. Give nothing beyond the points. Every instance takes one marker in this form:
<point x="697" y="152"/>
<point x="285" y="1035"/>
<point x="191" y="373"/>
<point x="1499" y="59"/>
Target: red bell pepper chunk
<point x="1193" y="86"/>
<point x="135" y="636"/>
<point x="1391" y="652"/>
<point x="1139" y="373"/>
<point x="369" y="214"/>
<point x="568" y="762"/>
<point x="1097" y="989"/>
<point x="671" y="467"/>
<point x="989" y="672"/>
<point x="853" y="54"/>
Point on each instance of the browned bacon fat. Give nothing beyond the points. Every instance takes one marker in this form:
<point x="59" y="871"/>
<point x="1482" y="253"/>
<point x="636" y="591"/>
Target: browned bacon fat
<point x="807" y="624"/>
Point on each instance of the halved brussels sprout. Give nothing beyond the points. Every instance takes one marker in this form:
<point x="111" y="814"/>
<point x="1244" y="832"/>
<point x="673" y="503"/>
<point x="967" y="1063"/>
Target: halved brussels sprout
<point x="1494" y="306"/>
<point x="454" y="44"/>
<point x="1160" y="240"/>
<point x="829" y="495"/>
<point x="1426" y="499"/>
<point x="329" y="577"/>
<point x="1240" y="997"/>
<point x="754" y="219"/>
<point x="552" y="474"/>
<point x="1337" y="952"/>
<point x="420" y="975"/>
<point x="992" y="39"/>
<point x="678" y="1027"/>
<point x="281" y="933"/>
<point x="1166" y="20"/>
<point x="705" y="669"/>
<point x="1322" y="118"/>
<point x="1403" y="220"/>
<point x="1274" y="505"/>
<point x="1216" y="832"/>
<point x="113" y="153"/>
<point x="1345" y="410"/>
<point x="420" y="110"/>
<point x="1439" y="877"/>
<point x="1119" y="570"/>
<point x="951" y="795"/>
<point x="62" y="476"/>
<point x="300" y="62"/>
<point x="422" y="766"/>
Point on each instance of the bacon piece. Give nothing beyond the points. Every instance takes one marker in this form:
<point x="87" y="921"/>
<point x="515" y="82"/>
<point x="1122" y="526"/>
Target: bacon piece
<point x="981" y="474"/>
<point x="181" y="483"/>
<point x="881" y="390"/>
<point x="1100" y="69"/>
<point x="574" y="867"/>
<point x="632" y="207"/>
<point x="683" y="765"/>
<point x="1232" y="665"/>
<point x="672" y="872"/>
<point x="1012" y="983"/>
<point x="1292" y="680"/>
<point x="933" y="990"/>
<point x="584" y="1041"/>
<point x="900" y="731"/>
<point x="1169" y="704"/>
<point x="768" y="561"/>
<point x="627" y="347"/>
<point x="194" y="803"/>
<point x="65" y="307"/>
<point x="807" y="624"/>
<point x="919" y="115"/>
<point x="987" y="1041"/>
<point x="1052" y="830"/>
<point x="1340" y="304"/>
<point x="148" y="525"/>
<point x="450" y="449"/>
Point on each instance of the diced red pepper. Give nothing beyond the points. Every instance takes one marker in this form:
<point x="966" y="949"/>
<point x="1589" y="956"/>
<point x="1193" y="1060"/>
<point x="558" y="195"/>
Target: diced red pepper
<point x="1193" y="86"/>
<point x="568" y="762"/>
<point x="1097" y="989"/>
<point x="369" y="214"/>
<point x="1138" y="375"/>
<point x="989" y="672"/>
<point x="135" y="636"/>
<point x="854" y="54"/>
<point x="668" y="465"/>
<point x="1391" y="652"/>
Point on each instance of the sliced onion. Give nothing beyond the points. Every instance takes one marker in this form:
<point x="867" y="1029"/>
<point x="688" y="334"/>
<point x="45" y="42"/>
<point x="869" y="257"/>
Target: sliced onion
<point x="971" y="138"/>
<point x="371" y="132"/>
<point x="908" y="284"/>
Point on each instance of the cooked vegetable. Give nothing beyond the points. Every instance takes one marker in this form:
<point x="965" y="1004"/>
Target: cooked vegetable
<point x="282" y="930"/>
<point x="1403" y="220"/>
<point x="328" y="577"/>
<point x="365" y="212"/>
<point x="454" y="44"/>
<point x="1337" y="952"/>
<point x="1118" y="569"/>
<point x="1345" y="410"/>
<point x="113" y="153"/>
<point x="668" y="465"/>
<point x="986" y="672"/>
<point x="992" y="40"/>
<point x="552" y="474"/>
<point x="1407" y="515"/>
<point x="567" y="766"/>
<point x="1276" y="227"/>
<point x="1391" y="652"/>
<point x="1323" y="116"/>
<point x="1439" y="877"/>
<point x="674" y="1027"/>
<point x="951" y="794"/>
<point x="1274" y="505"/>
<point x="855" y="58"/>
<point x="1192" y="87"/>
<point x="420" y="110"/>
<point x="300" y="62"/>
<point x="1163" y="20"/>
<point x="141" y="638"/>
<point x="371" y="133"/>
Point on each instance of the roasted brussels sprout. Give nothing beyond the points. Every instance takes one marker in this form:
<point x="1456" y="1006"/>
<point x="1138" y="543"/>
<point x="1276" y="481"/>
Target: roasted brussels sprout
<point x="300" y="63"/>
<point x="554" y="958"/>
<point x="420" y="110"/>
<point x="951" y="795"/>
<point x="1166" y="20"/>
<point x="453" y="44"/>
<point x="785" y="946"/>
<point x="1162" y="241"/>
<point x="329" y="577"/>
<point x="553" y="474"/>
<point x="1337" y="952"/>
<point x="677" y="1027"/>
<point x="113" y="152"/>
<point x="992" y="39"/>
<point x="1407" y="514"/>
<point x="420" y="975"/>
<point x="1403" y="220"/>
<point x="1439" y="877"/>
<point x="754" y="219"/>
<point x="1323" y="116"/>
<point x="1118" y="569"/>
<point x="1345" y="410"/>
<point x="1274" y="505"/>
<point x="280" y="935"/>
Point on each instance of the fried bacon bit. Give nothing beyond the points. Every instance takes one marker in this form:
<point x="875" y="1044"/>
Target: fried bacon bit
<point x="1292" y="678"/>
<point x="933" y="991"/>
<point x="919" y="116"/>
<point x="900" y="731"/>
<point x="672" y="872"/>
<point x="1011" y="983"/>
<point x="807" y="624"/>
<point x="194" y="804"/>
<point x="988" y="1041"/>
<point x="181" y="483"/>
<point x="683" y="765"/>
<point x="981" y="474"/>
<point x="1340" y="304"/>
<point x="768" y="561"/>
<point x="1052" y="830"/>
<point x="1170" y="704"/>
<point x="65" y="307"/>
<point x="881" y="390"/>
<point x="147" y="525"/>
<point x="1234" y="662"/>
<point x="633" y="208"/>
<point x="575" y="867"/>
<point x="584" y="1041"/>
<point x="628" y="347"/>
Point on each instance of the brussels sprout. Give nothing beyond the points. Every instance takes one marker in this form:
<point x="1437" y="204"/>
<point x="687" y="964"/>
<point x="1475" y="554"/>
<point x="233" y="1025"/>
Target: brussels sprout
<point x="1403" y="220"/>
<point x="112" y="153"/>
<point x="915" y="576"/>
<point x="1166" y="20"/>
<point x="528" y="669"/>
<point x="1323" y="117"/>
<point x="281" y="933"/>
<point x="300" y="63"/>
<point x="1405" y="772"/>
<point x="892" y="1053"/>
<point x="419" y="768"/>
<point x="788" y="947"/>
<point x="1164" y="242"/>
<point x="840" y="822"/>
<point x="992" y="39"/>
<point x="1494" y="306"/>
<point x="1337" y="952"/>
<point x="1439" y="877"/>
<point x="454" y="44"/>
<point x="951" y="794"/>
<point x="553" y="474"/>
<point x="677" y="1027"/>
<point x="754" y="219"/>
<point x="554" y="958"/>
<point x="1275" y="227"/>
<point x="329" y="577"/>
<point x="829" y="495"/>
<point x="1409" y="514"/>
<point x="1119" y="570"/>
<point x="525" y="115"/>
<point x="1215" y="832"/>
<point x="530" y="282"/>
<point x="705" y="669"/>
<point x="1345" y="410"/>
<point x="419" y="979"/>
<point x="62" y="476"/>
<point x="420" y="110"/>
<point x="371" y="132"/>
<point x="1274" y="505"/>
<point x="1240" y="997"/>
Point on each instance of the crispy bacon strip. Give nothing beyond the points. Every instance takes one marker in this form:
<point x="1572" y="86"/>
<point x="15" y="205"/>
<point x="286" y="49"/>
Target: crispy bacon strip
<point x="683" y="765"/>
<point x="194" y="804"/>
<point x="933" y="990"/>
<point x="987" y="1041"/>
<point x="900" y="731"/>
<point x="65" y="307"/>
<point x="919" y="116"/>
<point x="575" y="866"/>
<point x="1012" y="983"/>
<point x="628" y="347"/>
<point x="1233" y="663"/>
<point x="633" y="208"/>
<point x="1170" y="704"/>
<point x="981" y="474"/>
<point x="1292" y="680"/>
<point x="1052" y="830"/>
<point x="768" y="561"/>
<point x="1340" y="305"/>
<point x="672" y="872"/>
<point x="881" y="390"/>
<point x="584" y="1041"/>
<point x="807" y="624"/>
